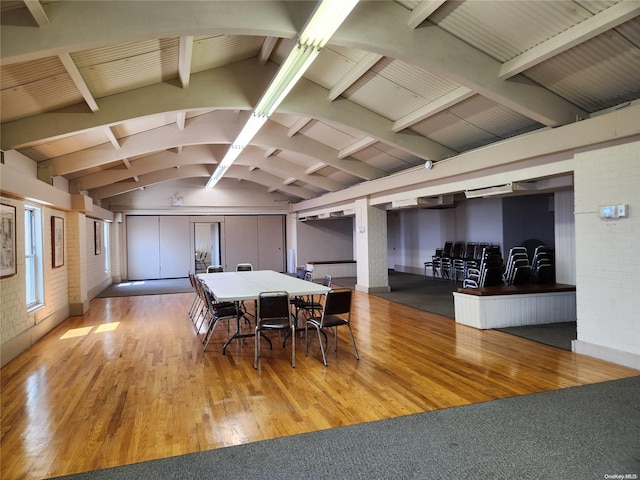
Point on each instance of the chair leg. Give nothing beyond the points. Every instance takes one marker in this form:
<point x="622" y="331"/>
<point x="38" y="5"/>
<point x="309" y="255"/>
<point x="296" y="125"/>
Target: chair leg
<point x="324" y="357"/>
<point x="257" y="349"/>
<point x="293" y="346"/>
<point x="353" y="342"/>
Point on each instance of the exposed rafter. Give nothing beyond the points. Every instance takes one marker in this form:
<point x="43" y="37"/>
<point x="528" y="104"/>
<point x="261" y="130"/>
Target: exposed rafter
<point x="422" y="11"/>
<point x="585" y="30"/>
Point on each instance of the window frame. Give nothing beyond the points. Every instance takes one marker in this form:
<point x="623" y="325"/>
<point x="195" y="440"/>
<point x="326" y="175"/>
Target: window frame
<point x="33" y="255"/>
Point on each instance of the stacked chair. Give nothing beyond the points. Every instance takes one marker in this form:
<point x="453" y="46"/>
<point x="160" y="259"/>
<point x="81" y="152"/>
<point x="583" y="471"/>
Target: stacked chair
<point x="489" y="272"/>
<point x="542" y="265"/>
<point x="517" y="270"/>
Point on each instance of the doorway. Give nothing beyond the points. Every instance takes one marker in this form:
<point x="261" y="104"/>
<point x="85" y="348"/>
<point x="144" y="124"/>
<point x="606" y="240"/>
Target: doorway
<point x="207" y="245"/>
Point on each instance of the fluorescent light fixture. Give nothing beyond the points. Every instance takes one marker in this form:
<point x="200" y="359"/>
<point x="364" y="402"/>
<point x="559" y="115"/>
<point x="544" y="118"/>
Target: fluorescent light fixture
<point x="321" y="26"/>
<point x="325" y="20"/>
<point x="288" y="75"/>
<point x="244" y="137"/>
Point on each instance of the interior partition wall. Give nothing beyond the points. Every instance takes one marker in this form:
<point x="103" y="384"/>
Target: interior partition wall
<point x="158" y="247"/>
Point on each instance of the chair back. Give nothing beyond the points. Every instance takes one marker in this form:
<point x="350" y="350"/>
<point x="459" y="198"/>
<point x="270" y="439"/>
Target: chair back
<point x="215" y="268"/>
<point x="273" y="310"/>
<point x="338" y="302"/>
<point x="244" y="267"/>
<point x="301" y="272"/>
<point x="274" y="306"/>
<point x="326" y="281"/>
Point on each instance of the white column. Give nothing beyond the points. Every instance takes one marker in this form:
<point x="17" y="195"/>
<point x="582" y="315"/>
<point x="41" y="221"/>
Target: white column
<point x="371" y="247"/>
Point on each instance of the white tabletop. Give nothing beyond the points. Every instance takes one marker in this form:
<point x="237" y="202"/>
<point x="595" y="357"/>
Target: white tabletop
<point x="237" y="286"/>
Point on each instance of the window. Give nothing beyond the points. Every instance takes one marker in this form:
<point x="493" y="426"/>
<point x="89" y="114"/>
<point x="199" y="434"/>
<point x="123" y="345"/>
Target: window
<point x="33" y="256"/>
<point x="107" y="247"/>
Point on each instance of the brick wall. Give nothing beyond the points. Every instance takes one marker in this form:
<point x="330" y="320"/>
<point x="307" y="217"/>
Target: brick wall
<point x="607" y="260"/>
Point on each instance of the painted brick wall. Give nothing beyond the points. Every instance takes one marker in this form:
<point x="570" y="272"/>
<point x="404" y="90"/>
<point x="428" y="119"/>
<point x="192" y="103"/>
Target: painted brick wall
<point x="13" y="311"/>
<point x="607" y="259"/>
<point x="14" y="318"/>
<point x="56" y="288"/>
<point x="96" y="273"/>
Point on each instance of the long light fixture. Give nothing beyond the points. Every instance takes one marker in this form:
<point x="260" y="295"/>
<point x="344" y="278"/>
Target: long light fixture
<point x="246" y="134"/>
<point x="326" y="18"/>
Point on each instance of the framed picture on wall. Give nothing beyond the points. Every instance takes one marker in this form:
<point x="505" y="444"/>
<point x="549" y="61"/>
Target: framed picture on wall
<point x="8" y="257"/>
<point x="57" y="242"/>
<point x="97" y="235"/>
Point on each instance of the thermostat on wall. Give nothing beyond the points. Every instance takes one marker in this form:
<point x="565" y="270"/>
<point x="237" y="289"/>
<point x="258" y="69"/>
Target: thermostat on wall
<point x="614" y="211"/>
<point x="608" y="211"/>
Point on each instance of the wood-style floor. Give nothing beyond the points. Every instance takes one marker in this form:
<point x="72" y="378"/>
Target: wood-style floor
<point x="129" y="382"/>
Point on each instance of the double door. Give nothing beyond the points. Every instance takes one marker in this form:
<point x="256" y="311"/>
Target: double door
<point x="158" y="247"/>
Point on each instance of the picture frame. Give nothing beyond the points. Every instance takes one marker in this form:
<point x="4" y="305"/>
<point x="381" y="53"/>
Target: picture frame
<point x="97" y="235"/>
<point x="57" y="242"/>
<point x="8" y="250"/>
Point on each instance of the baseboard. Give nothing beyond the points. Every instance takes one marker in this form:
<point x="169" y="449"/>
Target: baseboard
<point x="365" y="289"/>
<point x="92" y="293"/>
<point x="605" y="353"/>
<point x="28" y="338"/>
<point x="410" y="269"/>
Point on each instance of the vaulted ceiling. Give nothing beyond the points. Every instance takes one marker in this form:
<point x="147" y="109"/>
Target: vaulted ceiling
<point x="115" y="96"/>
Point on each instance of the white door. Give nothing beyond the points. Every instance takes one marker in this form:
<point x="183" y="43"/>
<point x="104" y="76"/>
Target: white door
<point x="143" y="247"/>
<point x="175" y="247"/>
<point x="241" y="241"/>
<point x="271" y="243"/>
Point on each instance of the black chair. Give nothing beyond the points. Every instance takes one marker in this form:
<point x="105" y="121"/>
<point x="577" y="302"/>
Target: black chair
<point x="215" y="313"/>
<point x="435" y="264"/>
<point x="335" y="313"/>
<point x="273" y="314"/>
<point x="244" y="267"/>
<point x="215" y="269"/>
<point x="521" y="275"/>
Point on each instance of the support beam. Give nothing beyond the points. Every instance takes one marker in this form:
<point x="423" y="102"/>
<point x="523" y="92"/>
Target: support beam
<point x="352" y="76"/>
<point x="442" y="103"/>
<point x="267" y="48"/>
<point x="298" y="125"/>
<point x="37" y="12"/>
<point x="184" y="61"/>
<point x="76" y="76"/>
<point x="422" y="11"/>
<point x="356" y="147"/>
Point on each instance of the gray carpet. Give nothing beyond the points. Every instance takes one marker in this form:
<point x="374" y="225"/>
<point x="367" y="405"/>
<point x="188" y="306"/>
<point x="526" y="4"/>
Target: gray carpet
<point x="428" y="294"/>
<point x="555" y="334"/>
<point x="147" y="287"/>
<point x="436" y="296"/>
<point x="588" y="432"/>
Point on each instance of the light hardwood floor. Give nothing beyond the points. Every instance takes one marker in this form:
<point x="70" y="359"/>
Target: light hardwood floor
<point x="129" y="382"/>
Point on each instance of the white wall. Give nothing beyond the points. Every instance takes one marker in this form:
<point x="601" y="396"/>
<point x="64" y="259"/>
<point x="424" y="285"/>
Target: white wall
<point x="607" y="260"/>
<point x="325" y="240"/>
<point x="414" y="234"/>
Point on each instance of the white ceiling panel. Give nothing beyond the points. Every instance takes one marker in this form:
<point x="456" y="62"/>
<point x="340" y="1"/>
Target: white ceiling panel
<point x="116" y="69"/>
<point x="584" y="76"/>
<point x="71" y="144"/>
<point x="142" y="124"/>
<point x="213" y="52"/>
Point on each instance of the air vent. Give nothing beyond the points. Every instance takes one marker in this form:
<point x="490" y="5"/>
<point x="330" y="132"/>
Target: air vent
<point x="424" y="202"/>
<point x="505" y="189"/>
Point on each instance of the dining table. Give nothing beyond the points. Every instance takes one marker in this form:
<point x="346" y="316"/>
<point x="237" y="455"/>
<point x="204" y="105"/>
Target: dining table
<point x="248" y="285"/>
